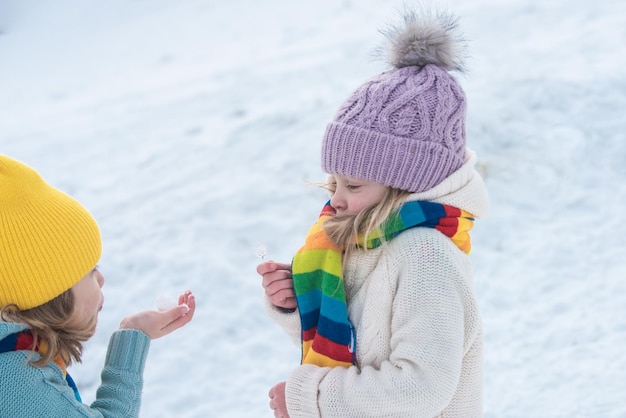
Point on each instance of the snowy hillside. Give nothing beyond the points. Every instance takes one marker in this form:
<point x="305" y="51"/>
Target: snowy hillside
<point x="191" y="128"/>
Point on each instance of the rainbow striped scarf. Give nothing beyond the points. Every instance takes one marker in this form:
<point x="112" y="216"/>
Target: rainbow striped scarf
<point x="328" y="338"/>
<point x="24" y="341"/>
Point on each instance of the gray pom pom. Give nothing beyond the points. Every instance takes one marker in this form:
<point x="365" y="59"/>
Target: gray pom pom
<point x="423" y="38"/>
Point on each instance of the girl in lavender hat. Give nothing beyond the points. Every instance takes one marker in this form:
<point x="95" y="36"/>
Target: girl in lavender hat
<point x="380" y="297"/>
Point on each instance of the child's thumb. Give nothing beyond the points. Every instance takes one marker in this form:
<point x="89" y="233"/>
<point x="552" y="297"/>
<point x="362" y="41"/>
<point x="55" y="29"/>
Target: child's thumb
<point x="177" y="311"/>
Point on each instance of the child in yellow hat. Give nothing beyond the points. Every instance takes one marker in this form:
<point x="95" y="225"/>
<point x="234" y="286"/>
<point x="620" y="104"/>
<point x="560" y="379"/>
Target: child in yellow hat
<point x="50" y="297"/>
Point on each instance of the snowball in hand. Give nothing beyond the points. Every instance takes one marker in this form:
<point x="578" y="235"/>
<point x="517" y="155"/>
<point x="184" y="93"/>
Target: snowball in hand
<point x="165" y="303"/>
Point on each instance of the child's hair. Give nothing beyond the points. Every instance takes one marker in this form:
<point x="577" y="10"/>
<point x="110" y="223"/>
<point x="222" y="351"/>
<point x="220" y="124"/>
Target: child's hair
<point x="346" y="229"/>
<point x="49" y="241"/>
<point x="54" y="325"/>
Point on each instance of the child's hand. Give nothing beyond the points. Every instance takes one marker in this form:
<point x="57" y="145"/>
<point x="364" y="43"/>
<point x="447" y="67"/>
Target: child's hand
<point x="157" y="324"/>
<point x="277" y="400"/>
<point x="278" y="284"/>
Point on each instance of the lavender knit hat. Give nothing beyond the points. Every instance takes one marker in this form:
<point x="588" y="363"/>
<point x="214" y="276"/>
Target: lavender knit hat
<point x="405" y="128"/>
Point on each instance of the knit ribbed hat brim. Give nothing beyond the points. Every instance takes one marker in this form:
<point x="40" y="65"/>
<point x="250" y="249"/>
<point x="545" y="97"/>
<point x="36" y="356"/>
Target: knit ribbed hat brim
<point x="401" y="163"/>
<point x="405" y="128"/>
<point x="48" y="241"/>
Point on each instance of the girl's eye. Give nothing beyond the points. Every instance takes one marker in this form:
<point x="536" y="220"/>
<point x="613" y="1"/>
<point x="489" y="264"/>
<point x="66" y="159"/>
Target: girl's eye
<point x="352" y="186"/>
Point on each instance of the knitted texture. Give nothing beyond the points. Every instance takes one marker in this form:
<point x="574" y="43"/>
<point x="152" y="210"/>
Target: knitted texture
<point x="24" y="340"/>
<point x="327" y="334"/>
<point x="404" y="128"/>
<point x="417" y="324"/>
<point x="453" y="222"/>
<point x="28" y="391"/>
<point x="48" y="241"/>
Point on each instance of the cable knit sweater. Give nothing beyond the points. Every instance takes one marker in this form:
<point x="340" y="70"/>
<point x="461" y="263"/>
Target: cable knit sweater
<point x="418" y="329"/>
<point x="28" y="391"/>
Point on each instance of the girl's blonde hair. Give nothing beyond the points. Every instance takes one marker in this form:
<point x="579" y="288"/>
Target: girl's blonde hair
<point x="56" y="325"/>
<point x="345" y="230"/>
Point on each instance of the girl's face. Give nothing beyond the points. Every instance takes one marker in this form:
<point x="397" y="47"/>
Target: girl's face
<point x="88" y="298"/>
<point x="350" y="195"/>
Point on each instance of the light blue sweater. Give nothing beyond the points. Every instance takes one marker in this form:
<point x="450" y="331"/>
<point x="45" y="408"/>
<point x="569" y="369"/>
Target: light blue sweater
<point x="27" y="391"/>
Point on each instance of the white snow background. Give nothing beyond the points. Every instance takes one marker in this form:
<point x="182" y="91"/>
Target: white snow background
<point x="190" y="129"/>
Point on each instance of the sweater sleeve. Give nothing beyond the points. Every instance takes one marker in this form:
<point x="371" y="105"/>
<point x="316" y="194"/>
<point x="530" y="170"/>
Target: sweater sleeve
<point x="420" y="375"/>
<point x="122" y="377"/>
<point x="28" y="391"/>
<point x="288" y="321"/>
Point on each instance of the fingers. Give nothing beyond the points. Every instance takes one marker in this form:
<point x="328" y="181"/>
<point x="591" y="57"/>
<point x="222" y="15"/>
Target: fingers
<point x="283" y="266"/>
<point x="284" y="297"/>
<point x="180" y="315"/>
<point x="271" y="266"/>
<point x="156" y="324"/>
<point x="279" y="289"/>
<point x="264" y="268"/>
<point x="184" y="298"/>
<point x="174" y="325"/>
<point x="190" y="301"/>
<point x="282" y="290"/>
<point x="277" y="400"/>
<point x="273" y="282"/>
<point x="278" y="284"/>
<point x="276" y="276"/>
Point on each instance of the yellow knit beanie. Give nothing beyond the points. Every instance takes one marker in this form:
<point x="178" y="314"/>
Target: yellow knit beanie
<point x="48" y="241"/>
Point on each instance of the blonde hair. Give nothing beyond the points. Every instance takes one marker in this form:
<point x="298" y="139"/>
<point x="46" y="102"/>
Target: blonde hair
<point x="55" y="324"/>
<point x="345" y="230"/>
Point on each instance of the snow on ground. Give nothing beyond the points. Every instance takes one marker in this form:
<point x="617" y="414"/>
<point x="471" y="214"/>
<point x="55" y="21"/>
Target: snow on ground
<point x="190" y="129"/>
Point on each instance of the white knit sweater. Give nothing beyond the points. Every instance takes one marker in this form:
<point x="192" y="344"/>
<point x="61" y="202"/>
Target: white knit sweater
<point x="418" y="329"/>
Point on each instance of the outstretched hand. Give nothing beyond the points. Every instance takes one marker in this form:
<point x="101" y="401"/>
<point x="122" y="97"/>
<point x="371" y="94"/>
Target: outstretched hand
<point x="278" y="284"/>
<point x="156" y="324"/>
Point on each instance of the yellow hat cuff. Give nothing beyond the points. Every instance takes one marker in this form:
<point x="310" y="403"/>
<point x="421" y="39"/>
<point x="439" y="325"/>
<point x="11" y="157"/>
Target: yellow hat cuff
<point x="48" y="241"/>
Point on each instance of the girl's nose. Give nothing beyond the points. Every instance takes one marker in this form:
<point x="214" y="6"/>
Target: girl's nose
<point x="337" y="202"/>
